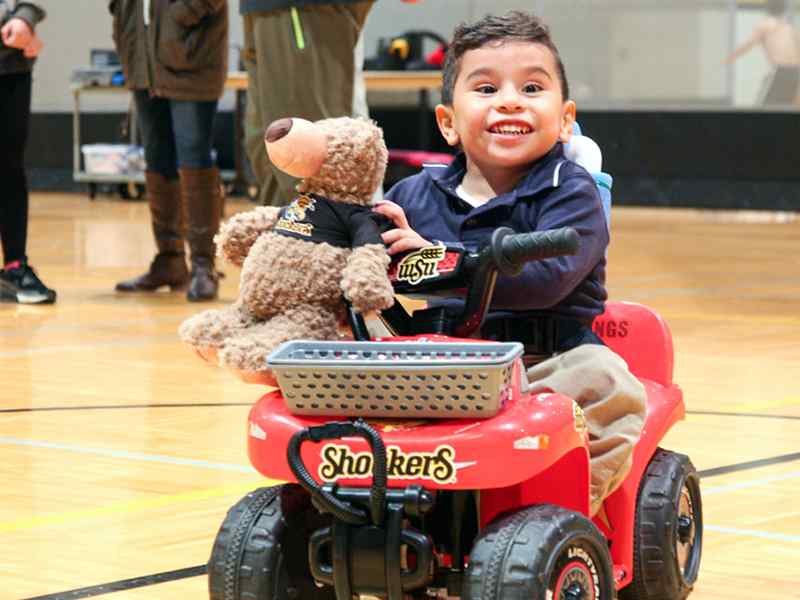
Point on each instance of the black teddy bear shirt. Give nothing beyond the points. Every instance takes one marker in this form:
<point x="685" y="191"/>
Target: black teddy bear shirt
<point x="316" y="219"/>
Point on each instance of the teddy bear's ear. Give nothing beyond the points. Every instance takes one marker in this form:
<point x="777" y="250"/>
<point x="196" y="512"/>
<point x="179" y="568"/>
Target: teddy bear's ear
<point x="296" y="146"/>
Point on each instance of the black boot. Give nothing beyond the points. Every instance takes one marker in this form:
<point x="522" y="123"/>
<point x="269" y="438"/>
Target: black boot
<point x="169" y="266"/>
<point x="203" y="199"/>
<point x="205" y="281"/>
<point x="166" y="269"/>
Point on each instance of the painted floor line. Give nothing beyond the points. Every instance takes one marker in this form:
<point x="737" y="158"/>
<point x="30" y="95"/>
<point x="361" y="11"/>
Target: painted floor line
<point x="750" y="464"/>
<point x="734" y="487"/>
<point x="78" y="348"/>
<point x="131" y="506"/>
<point x="751" y="415"/>
<point x="96" y="325"/>
<point x="125" y="584"/>
<point x="141" y="456"/>
<point x="781" y="537"/>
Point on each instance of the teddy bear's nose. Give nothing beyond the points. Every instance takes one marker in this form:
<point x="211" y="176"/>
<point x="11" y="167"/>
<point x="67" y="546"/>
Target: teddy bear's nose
<point x="277" y="130"/>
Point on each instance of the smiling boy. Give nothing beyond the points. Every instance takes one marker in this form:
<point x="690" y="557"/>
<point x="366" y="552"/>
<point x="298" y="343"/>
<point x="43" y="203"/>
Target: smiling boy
<point x="505" y="103"/>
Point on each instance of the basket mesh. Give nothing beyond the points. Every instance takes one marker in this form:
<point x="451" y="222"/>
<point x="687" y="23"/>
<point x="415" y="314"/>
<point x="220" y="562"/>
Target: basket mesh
<point x="394" y="379"/>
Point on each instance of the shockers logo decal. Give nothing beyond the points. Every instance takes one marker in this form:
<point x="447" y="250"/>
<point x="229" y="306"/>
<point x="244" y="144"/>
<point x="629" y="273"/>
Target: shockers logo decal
<point x="295" y="212"/>
<point x="339" y="462"/>
<point x="420" y="265"/>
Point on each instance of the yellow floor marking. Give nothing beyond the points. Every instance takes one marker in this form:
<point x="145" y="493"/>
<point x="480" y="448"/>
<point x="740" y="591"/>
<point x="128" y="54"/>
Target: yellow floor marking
<point x="133" y="506"/>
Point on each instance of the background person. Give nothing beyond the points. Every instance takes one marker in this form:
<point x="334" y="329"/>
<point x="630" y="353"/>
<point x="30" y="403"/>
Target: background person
<point x="299" y="57"/>
<point x="779" y="39"/>
<point x="174" y="55"/>
<point x="19" y="47"/>
<point x="303" y="59"/>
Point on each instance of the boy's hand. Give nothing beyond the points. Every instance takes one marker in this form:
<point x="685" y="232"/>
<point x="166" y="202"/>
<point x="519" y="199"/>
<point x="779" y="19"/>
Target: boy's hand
<point x="403" y="238"/>
<point x="33" y="49"/>
<point x="16" y="34"/>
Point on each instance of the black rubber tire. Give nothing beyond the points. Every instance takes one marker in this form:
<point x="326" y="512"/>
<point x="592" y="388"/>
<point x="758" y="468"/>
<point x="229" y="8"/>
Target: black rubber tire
<point x="522" y="556"/>
<point x="261" y="549"/>
<point x="657" y="573"/>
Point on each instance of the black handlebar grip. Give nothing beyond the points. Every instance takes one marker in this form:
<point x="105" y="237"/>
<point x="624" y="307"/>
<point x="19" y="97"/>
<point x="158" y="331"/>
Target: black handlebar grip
<point x="512" y="250"/>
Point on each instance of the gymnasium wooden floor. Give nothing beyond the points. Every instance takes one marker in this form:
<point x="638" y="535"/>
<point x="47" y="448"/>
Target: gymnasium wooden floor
<point x="120" y="451"/>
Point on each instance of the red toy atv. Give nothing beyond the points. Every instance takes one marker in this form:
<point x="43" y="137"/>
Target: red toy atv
<point x="447" y="479"/>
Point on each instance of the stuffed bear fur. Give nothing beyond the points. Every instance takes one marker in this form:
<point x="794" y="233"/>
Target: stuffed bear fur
<point x="293" y="284"/>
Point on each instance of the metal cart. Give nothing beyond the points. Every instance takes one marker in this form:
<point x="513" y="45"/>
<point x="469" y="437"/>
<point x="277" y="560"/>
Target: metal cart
<point x="128" y="185"/>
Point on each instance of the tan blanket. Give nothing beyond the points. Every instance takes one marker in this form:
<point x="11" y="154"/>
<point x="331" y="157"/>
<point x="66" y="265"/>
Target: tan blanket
<point x="613" y="400"/>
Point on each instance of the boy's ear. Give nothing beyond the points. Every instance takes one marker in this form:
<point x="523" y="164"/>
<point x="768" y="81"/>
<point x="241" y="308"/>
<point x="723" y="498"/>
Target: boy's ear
<point x="445" y="120"/>
<point x="567" y="121"/>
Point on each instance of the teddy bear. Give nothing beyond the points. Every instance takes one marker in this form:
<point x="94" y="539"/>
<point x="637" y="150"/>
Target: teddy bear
<point x="300" y="262"/>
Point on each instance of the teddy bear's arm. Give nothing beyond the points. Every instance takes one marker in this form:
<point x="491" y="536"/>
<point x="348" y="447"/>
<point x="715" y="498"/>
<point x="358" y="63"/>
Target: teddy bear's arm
<point x="365" y="282"/>
<point x="238" y="234"/>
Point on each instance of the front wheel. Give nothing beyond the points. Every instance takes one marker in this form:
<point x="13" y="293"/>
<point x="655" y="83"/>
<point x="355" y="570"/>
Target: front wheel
<point x="540" y="553"/>
<point x="261" y="549"/>
<point x="668" y="535"/>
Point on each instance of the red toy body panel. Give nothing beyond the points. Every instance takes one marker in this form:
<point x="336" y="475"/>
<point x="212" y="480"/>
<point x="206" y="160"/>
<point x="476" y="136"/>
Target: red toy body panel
<point x="533" y="451"/>
<point x="527" y="436"/>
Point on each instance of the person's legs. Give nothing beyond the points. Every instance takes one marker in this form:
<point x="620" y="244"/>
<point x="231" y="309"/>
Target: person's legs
<point x="18" y="281"/>
<point x="614" y="404"/>
<point x="166" y="208"/>
<point x="316" y="40"/>
<point x="193" y="124"/>
<point x="15" y="98"/>
<point x="783" y="89"/>
<point x="275" y="187"/>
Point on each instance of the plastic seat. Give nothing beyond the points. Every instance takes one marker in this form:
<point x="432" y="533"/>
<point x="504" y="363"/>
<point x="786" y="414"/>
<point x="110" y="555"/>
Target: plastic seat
<point x="641" y="337"/>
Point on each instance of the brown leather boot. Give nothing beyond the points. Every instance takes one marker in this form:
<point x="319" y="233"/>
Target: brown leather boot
<point x="166" y="212"/>
<point x="201" y="194"/>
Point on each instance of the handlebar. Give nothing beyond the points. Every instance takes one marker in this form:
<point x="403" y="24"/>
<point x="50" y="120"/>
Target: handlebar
<point x="512" y="250"/>
<point x="425" y="271"/>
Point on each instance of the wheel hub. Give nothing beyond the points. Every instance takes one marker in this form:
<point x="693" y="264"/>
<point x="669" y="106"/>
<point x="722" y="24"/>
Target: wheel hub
<point x="574" y="583"/>
<point x="574" y="592"/>
<point x="685" y="528"/>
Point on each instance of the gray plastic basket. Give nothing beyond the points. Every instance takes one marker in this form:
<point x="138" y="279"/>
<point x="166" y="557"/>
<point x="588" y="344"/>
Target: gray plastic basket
<point x="394" y="379"/>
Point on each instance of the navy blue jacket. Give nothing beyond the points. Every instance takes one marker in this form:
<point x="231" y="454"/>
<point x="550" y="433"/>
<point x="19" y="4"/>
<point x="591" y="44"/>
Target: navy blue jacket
<point x="556" y="193"/>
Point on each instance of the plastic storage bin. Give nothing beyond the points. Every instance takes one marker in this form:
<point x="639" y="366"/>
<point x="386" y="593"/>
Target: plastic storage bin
<point x="112" y="159"/>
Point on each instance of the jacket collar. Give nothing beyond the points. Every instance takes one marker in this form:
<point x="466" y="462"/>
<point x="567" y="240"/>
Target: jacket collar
<point x="544" y="174"/>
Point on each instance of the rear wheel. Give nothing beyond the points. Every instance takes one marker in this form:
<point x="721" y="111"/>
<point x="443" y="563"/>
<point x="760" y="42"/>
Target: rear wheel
<point x="540" y="553"/>
<point x="668" y="536"/>
<point x="261" y="549"/>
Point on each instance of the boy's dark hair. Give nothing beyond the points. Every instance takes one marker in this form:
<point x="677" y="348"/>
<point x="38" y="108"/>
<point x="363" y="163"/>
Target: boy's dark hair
<point x="777" y="7"/>
<point x="514" y="26"/>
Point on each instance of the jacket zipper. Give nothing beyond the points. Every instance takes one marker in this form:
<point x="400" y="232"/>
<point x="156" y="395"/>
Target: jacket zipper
<point x="299" y="38"/>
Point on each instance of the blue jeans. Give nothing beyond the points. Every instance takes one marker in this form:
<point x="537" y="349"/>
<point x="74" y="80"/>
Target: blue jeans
<point x="175" y="133"/>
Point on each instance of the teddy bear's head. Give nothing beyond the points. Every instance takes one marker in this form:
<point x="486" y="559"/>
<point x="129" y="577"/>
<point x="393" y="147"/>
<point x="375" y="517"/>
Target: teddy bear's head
<point x="343" y="159"/>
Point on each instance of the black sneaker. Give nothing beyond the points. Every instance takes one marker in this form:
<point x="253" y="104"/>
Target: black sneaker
<point x="22" y="285"/>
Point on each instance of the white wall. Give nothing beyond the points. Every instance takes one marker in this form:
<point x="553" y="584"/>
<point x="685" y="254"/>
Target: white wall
<point x="71" y="30"/>
<point x="610" y="50"/>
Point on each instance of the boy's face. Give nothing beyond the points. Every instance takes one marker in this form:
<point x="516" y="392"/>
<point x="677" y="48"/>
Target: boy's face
<point x="508" y="109"/>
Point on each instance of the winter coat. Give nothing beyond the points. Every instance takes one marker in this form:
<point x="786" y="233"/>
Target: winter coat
<point x="12" y="60"/>
<point x="182" y="54"/>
